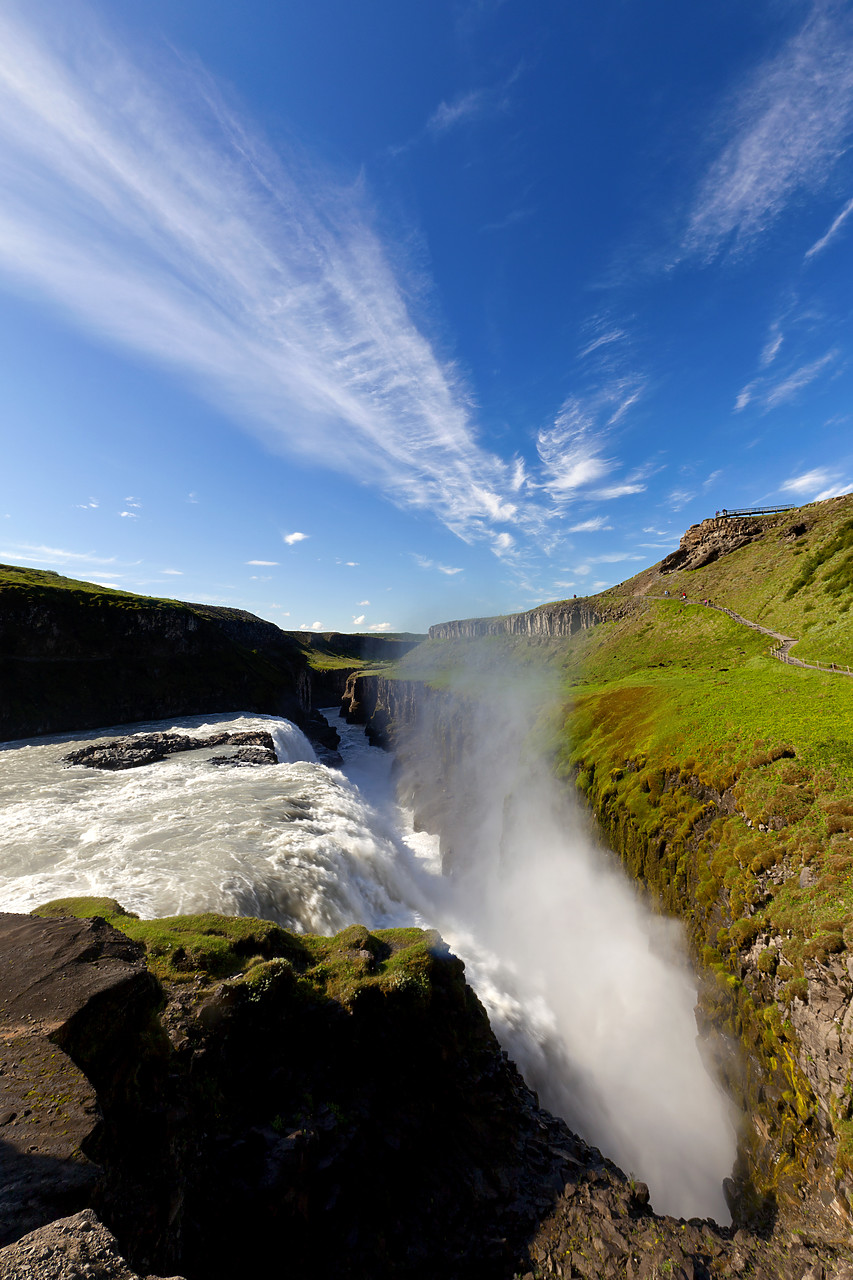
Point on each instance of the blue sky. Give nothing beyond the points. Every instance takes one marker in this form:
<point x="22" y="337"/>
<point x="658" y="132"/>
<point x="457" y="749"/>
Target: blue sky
<point x="371" y="315"/>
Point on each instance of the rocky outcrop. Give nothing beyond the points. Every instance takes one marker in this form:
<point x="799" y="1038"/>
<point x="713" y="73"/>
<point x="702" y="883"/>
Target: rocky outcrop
<point x="145" y="748"/>
<point x="68" y="1249"/>
<point x="76" y="999"/>
<point x="564" y="618"/>
<point x="375" y="648"/>
<point x="341" y="1104"/>
<point x="703" y="543"/>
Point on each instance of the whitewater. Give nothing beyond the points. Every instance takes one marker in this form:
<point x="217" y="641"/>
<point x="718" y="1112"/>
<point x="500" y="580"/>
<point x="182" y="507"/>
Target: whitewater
<point x="588" y="991"/>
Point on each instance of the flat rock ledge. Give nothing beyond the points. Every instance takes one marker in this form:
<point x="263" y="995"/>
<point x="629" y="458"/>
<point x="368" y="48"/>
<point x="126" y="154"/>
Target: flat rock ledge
<point x="68" y="1249"/>
<point x="256" y="746"/>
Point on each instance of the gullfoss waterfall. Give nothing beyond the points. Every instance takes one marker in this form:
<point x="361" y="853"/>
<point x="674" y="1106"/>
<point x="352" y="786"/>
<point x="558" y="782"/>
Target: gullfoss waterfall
<point x="588" y="991"/>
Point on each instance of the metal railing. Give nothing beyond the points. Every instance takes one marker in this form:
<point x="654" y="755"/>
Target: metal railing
<point x="753" y="511"/>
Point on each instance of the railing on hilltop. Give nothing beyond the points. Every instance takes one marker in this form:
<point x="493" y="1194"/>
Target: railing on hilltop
<point x="753" y="511"/>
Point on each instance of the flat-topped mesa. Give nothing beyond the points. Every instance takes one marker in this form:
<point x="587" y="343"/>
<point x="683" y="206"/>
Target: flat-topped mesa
<point x="563" y="618"/>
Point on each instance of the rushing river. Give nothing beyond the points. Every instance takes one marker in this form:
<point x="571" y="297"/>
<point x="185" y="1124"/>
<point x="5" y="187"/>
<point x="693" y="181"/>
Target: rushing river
<point x="587" y="991"/>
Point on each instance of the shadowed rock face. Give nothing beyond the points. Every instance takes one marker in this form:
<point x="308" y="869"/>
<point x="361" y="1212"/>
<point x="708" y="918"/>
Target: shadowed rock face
<point x="240" y="1121"/>
<point x="71" y="992"/>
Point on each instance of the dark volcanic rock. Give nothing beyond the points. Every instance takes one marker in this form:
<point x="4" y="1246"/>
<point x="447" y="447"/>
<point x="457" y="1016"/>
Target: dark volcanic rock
<point x="70" y="993"/>
<point x="563" y="618"/>
<point x="378" y="1134"/>
<point x="145" y="748"/>
<point x="247" y="755"/>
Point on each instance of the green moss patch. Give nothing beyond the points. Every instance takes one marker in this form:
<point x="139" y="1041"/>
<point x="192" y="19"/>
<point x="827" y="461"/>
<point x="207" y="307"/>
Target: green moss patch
<point x="208" y="947"/>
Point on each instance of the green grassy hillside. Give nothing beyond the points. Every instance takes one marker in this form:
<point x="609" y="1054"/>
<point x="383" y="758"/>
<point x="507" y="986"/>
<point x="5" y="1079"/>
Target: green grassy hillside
<point x="797" y="583"/>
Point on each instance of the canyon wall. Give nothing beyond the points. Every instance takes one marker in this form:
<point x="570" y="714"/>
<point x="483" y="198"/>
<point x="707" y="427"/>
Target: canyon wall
<point x="785" y="1059"/>
<point x="563" y="618"/>
<point x="73" y="657"/>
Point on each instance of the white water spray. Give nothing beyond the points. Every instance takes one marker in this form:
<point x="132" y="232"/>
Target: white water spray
<point x="578" y="978"/>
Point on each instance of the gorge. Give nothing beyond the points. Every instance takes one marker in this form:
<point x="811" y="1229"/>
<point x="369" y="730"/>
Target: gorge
<point x="496" y="729"/>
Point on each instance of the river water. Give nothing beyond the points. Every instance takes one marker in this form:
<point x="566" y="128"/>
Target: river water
<point x="588" y="992"/>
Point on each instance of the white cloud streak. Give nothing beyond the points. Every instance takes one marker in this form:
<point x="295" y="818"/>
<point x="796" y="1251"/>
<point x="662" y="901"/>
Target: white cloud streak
<point x="55" y="555"/>
<point x="292" y="538"/>
<point x="172" y="231"/>
<point x="467" y="106"/>
<point x="790" y="124"/>
<point x="593" y="525"/>
<point x="613" y="335"/>
<point x="571" y="451"/>
<point x="771" y="394"/>
<point x="835" y="227"/>
<point x="612" y="491"/>
<point x="817" y="485"/>
<point x="771" y="348"/>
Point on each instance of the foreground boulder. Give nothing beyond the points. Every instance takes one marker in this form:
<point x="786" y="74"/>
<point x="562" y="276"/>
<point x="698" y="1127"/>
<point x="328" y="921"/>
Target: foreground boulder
<point x="222" y="1092"/>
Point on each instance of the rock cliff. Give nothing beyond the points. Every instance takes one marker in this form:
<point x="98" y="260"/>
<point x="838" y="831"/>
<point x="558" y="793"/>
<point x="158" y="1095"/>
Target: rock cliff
<point x="340" y="1104"/>
<point x="705" y="542"/>
<point x="563" y="618"/>
<point x="75" y="656"/>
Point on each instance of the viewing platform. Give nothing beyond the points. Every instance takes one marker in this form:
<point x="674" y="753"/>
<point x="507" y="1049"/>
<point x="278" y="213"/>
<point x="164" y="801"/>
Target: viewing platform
<point x="753" y="511"/>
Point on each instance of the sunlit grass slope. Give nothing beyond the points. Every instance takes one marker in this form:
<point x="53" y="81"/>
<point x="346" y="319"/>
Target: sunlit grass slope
<point x="800" y="584"/>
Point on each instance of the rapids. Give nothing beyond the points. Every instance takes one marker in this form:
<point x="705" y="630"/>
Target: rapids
<point x="587" y="991"/>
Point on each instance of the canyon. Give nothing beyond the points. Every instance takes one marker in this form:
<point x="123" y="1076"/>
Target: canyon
<point x="726" y="798"/>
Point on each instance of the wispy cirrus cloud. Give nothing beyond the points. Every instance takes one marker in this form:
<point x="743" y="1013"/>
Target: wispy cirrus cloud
<point x="465" y="106"/>
<point x="424" y="562"/>
<point x="770" y="394"/>
<point x="834" y="228"/>
<point x="817" y="485"/>
<point x="772" y="346"/>
<point x="572" y="449"/>
<point x="603" y="340"/>
<point x="145" y="209"/>
<point x="790" y="123"/>
<point x="592" y="525"/>
<point x="37" y="554"/>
